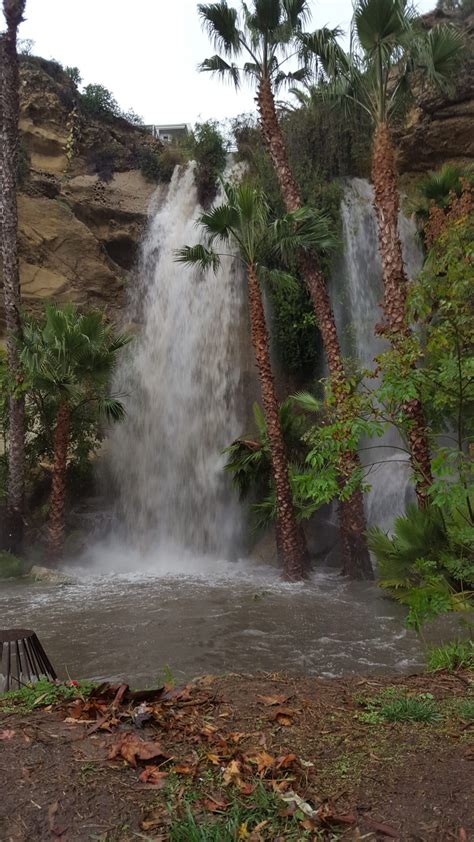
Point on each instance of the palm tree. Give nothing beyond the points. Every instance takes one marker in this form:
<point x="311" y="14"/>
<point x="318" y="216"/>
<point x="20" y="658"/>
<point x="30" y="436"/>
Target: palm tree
<point x="69" y="359"/>
<point x="9" y="113"/>
<point x="268" y="36"/>
<point x="242" y="222"/>
<point x="390" y="52"/>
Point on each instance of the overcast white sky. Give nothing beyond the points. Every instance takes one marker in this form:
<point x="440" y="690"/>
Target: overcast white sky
<point x="146" y="52"/>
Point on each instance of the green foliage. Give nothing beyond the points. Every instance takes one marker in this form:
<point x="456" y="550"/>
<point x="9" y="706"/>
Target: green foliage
<point x="150" y="166"/>
<point x="10" y="566"/>
<point x="42" y="694"/>
<point x="74" y="74"/>
<point x="457" y="654"/>
<point x="169" y="158"/>
<point x="418" y="709"/>
<point x="294" y="329"/>
<point x="238" y="821"/>
<point x="423" y="565"/>
<point x="465" y="710"/>
<point x="249" y="459"/>
<point x="208" y="148"/>
<point x="98" y="101"/>
<point x="23" y="164"/>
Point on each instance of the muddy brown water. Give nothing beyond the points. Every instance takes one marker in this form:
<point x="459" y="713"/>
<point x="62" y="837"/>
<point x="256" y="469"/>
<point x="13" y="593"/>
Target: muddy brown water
<point x="211" y="618"/>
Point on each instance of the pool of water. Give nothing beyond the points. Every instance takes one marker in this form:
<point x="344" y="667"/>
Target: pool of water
<point x="200" y="616"/>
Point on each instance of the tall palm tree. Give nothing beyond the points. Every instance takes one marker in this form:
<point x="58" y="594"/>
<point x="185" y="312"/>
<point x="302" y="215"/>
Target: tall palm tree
<point x="9" y="113"/>
<point x="242" y="222"/>
<point x="68" y="359"/>
<point x="268" y="36"/>
<point x="390" y="53"/>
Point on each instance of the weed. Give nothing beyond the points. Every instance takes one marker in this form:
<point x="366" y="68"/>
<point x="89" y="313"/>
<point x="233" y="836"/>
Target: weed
<point x="458" y="654"/>
<point x="419" y="709"/>
<point x="87" y="772"/>
<point x="42" y="694"/>
<point x="465" y="710"/>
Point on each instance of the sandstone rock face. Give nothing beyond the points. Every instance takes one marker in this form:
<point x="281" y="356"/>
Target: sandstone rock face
<point x="440" y="128"/>
<point x="78" y="235"/>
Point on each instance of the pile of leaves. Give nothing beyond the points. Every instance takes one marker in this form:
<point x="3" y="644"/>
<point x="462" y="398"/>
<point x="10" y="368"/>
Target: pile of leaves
<point x="179" y="741"/>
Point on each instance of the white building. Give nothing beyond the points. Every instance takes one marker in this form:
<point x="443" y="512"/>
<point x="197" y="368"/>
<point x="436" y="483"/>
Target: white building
<point x="169" y="133"/>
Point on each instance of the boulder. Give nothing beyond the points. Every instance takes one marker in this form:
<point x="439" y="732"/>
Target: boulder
<point x="47" y="576"/>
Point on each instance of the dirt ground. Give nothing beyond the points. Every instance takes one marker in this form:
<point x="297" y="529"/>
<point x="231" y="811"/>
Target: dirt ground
<point x="281" y="757"/>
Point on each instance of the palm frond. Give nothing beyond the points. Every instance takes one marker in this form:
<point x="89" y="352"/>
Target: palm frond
<point x="216" y="64"/>
<point x="198" y="255"/>
<point x="307" y="402"/>
<point x="439" y="52"/>
<point x="305" y="229"/>
<point x="380" y="23"/>
<point x="220" y="22"/>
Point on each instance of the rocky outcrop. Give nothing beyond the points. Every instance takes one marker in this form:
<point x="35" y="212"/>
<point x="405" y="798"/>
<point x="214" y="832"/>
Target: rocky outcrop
<point x="439" y="129"/>
<point x="79" y="234"/>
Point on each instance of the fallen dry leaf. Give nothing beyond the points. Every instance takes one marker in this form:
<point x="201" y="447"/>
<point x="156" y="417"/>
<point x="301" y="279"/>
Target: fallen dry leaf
<point x="132" y="748"/>
<point x="232" y="774"/>
<point x="262" y="760"/>
<point x="154" y="776"/>
<point x="285" y="761"/>
<point x="269" y="701"/>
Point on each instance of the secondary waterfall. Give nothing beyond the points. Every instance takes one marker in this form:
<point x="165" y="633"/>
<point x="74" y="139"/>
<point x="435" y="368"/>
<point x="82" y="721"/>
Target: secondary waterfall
<point x="182" y="380"/>
<point x="357" y="291"/>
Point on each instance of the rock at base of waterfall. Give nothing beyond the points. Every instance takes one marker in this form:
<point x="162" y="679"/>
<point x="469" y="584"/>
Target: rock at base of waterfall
<point x="264" y="550"/>
<point x="48" y="576"/>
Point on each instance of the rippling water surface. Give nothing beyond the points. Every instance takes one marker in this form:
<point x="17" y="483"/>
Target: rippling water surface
<point x="198" y="616"/>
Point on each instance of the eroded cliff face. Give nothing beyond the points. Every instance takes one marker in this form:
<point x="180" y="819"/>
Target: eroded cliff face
<point x="440" y="129"/>
<point x="78" y="233"/>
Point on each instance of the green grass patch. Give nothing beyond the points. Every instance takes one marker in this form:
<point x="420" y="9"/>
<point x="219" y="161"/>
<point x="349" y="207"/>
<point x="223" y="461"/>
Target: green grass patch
<point x="42" y="694"/>
<point x="458" y="654"/>
<point x="418" y="709"/>
<point x="390" y="706"/>
<point x="465" y="709"/>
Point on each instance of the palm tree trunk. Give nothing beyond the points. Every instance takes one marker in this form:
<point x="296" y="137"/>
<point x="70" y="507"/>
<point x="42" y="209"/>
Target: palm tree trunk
<point x="356" y="559"/>
<point x="290" y="541"/>
<point x="9" y="113"/>
<point x="58" y="490"/>
<point x="386" y="203"/>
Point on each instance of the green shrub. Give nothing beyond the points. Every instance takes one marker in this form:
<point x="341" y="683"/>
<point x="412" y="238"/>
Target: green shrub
<point x="170" y="158"/>
<point x="465" y="710"/>
<point x="150" y="166"/>
<point x="423" y="565"/>
<point x="458" y="654"/>
<point x="10" y="566"/>
<point x="74" y="75"/>
<point x="97" y="101"/>
<point x="209" y="149"/>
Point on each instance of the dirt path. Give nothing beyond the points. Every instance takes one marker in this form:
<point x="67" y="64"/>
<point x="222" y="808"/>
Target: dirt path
<point x="263" y="757"/>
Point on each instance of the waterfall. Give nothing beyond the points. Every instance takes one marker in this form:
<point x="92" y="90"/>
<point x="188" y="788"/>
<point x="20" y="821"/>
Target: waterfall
<point x="357" y="292"/>
<point x="182" y="379"/>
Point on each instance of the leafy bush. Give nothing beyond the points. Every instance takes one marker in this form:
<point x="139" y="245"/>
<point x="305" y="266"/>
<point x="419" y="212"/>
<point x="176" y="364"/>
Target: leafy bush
<point x="209" y="149"/>
<point x="150" y="166"/>
<point x="10" y="566"/>
<point x="458" y="654"/>
<point x="74" y="74"/>
<point x="23" y="164"/>
<point x="98" y="101"/>
<point x="423" y="566"/>
<point x="170" y="158"/>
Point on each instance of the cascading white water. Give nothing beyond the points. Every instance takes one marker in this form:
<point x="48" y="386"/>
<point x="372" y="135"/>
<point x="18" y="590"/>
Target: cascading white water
<point x="357" y="291"/>
<point x="182" y="381"/>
